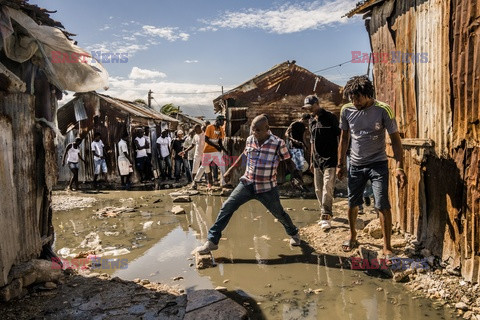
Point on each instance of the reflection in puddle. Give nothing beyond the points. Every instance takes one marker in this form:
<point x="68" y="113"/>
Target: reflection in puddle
<point x="253" y="257"/>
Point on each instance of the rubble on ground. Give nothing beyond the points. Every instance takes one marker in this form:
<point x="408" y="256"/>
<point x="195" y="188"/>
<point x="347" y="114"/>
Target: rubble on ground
<point x="432" y="278"/>
<point x="65" y="202"/>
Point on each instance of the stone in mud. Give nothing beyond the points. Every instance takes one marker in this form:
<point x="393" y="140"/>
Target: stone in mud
<point x="45" y="271"/>
<point x="49" y="285"/>
<point x="177" y="210"/>
<point x="461" y="306"/>
<point x="374" y="229"/>
<point x="182" y="199"/>
<point x="211" y="304"/>
<point x="29" y="278"/>
<point x="203" y="261"/>
<point x="11" y="291"/>
<point x="401" y="277"/>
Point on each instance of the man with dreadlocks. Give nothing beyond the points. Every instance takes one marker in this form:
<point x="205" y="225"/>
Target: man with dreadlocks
<point x="365" y="120"/>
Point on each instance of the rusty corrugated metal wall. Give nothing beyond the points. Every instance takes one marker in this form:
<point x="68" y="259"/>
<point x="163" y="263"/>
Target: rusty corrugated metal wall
<point x="27" y="174"/>
<point x="437" y="105"/>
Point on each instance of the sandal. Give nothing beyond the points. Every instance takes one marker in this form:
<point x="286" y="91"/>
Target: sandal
<point x="349" y="245"/>
<point x="390" y="259"/>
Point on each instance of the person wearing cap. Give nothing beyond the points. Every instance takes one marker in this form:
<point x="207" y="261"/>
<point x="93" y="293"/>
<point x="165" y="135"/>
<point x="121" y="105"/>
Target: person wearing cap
<point x="324" y="132"/>
<point x="263" y="153"/>
<point x="212" y="151"/>
<point x="364" y="121"/>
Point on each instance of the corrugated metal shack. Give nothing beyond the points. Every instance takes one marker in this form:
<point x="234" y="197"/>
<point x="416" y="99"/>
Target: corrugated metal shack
<point x="29" y="89"/>
<point x="187" y="122"/>
<point x="93" y="112"/>
<point x="280" y="93"/>
<point x="437" y="104"/>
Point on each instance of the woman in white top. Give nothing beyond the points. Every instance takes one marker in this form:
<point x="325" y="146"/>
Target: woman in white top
<point x="72" y="155"/>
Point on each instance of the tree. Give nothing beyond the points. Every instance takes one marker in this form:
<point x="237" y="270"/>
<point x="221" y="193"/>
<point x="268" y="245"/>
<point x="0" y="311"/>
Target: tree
<point x="170" y="108"/>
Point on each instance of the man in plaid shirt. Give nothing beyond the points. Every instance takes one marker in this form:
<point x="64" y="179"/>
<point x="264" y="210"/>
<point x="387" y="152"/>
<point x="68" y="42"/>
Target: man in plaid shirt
<point x="264" y="151"/>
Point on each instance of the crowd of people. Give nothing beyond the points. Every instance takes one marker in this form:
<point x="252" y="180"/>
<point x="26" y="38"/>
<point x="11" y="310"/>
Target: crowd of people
<point x="178" y="156"/>
<point x="319" y="142"/>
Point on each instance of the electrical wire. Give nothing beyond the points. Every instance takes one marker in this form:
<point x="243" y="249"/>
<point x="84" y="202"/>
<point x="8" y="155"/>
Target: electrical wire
<point x="334" y="66"/>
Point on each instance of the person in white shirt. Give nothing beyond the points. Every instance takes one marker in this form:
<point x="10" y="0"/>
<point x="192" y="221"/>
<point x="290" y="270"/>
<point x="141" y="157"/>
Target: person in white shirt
<point x="124" y="164"/>
<point x="99" y="163"/>
<point x="141" y="145"/>
<point x="72" y="155"/>
<point x="199" y="143"/>
<point x="148" y="164"/>
<point x="164" y="152"/>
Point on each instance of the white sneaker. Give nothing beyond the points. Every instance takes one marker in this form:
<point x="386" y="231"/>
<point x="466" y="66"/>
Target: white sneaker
<point x="325" y="222"/>
<point x="206" y="248"/>
<point x="295" y="240"/>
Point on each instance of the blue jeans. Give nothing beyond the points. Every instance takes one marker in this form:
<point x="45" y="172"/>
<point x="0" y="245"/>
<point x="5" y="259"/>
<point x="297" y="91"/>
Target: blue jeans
<point x="377" y="173"/>
<point x="178" y="168"/>
<point x="166" y="166"/>
<point x="242" y="194"/>
<point x="368" y="192"/>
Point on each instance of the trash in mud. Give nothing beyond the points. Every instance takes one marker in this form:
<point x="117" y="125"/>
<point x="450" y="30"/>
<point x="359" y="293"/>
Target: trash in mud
<point x="147" y="225"/>
<point x="91" y="241"/>
<point x="184" y="193"/>
<point x="112" y="212"/>
<point x="116" y="252"/>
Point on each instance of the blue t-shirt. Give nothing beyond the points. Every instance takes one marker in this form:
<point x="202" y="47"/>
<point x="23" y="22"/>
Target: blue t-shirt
<point x="367" y="131"/>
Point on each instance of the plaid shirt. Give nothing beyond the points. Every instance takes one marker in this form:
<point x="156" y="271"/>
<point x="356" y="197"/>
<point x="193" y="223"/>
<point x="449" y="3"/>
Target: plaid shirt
<point x="262" y="162"/>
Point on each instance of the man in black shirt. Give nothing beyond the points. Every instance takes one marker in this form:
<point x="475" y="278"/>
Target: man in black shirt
<point x="324" y="129"/>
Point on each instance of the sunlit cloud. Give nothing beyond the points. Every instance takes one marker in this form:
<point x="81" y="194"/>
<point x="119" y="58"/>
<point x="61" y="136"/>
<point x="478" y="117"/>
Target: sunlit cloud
<point x="287" y="18"/>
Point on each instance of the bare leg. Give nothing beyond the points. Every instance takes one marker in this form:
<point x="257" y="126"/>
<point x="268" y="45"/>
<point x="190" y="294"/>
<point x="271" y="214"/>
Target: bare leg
<point x="352" y="221"/>
<point x="71" y="179"/>
<point x="386" y="223"/>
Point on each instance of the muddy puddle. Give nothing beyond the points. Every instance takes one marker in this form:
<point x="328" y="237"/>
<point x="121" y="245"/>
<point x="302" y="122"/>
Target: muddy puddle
<point x="254" y="257"/>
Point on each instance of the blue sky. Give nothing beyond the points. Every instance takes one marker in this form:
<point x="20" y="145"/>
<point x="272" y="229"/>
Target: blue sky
<point x="186" y="50"/>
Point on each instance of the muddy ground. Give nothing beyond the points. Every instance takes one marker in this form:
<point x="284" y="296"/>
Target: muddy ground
<point x="431" y="278"/>
<point x="96" y="295"/>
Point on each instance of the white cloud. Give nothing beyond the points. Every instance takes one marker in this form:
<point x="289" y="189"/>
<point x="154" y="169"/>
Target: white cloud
<point x="168" y="33"/>
<point x="193" y="98"/>
<point x="191" y="61"/>
<point x="287" y="18"/>
<point x="138" y="73"/>
<point x="105" y="27"/>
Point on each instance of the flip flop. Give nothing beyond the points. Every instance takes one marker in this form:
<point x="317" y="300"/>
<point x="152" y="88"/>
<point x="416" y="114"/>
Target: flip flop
<point x="389" y="259"/>
<point x="349" y="245"/>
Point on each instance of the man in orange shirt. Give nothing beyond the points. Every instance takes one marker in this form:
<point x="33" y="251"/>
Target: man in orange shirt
<point x="212" y="151"/>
